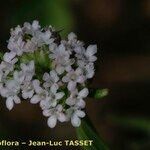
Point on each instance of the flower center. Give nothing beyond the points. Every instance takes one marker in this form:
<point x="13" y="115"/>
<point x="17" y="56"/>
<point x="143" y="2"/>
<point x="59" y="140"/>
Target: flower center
<point x="41" y="60"/>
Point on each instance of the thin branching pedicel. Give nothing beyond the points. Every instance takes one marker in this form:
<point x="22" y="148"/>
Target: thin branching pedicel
<point x="44" y="69"/>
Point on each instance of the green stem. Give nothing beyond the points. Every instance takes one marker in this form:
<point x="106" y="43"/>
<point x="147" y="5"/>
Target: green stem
<point x="87" y="132"/>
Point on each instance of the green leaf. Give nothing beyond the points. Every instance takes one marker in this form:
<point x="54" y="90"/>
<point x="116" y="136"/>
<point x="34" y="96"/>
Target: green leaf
<point x="87" y="132"/>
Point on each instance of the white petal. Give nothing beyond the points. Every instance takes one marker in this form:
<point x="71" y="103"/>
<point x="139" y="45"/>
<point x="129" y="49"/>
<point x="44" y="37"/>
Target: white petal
<point x="78" y="71"/>
<point x="46" y="113"/>
<point x="43" y="104"/>
<point x="59" y="107"/>
<point x="54" y="76"/>
<point x="71" y="86"/>
<point x="83" y="93"/>
<point x="9" y="56"/>
<point x="11" y="84"/>
<point x="81" y="103"/>
<point x="23" y="66"/>
<point x="68" y="68"/>
<point x="70" y="101"/>
<point x="61" y="48"/>
<point x="24" y="95"/>
<point x="18" y="76"/>
<point x="9" y="103"/>
<point x="46" y="85"/>
<point x="35" y="25"/>
<point x="17" y="100"/>
<point x="75" y="120"/>
<point x="61" y="117"/>
<point x="81" y="79"/>
<point x="91" y="50"/>
<point x="60" y="69"/>
<point x="31" y="65"/>
<point x="90" y="74"/>
<point x="53" y="103"/>
<point x="36" y="85"/>
<point x="80" y="113"/>
<point x="65" y="79"/>
<point x="52" y="47"/>
<point x="30" y="93"/>
<point x="52" y="121"/>
<point x="59" y="95"/>
<point x="27" y="94"/>
<point x="92" y="58"/>
<point x="46" y="35"/>
<point x="78" y="50"/>
<point x="54" y="88"/>
<point x="4" y="92"/>
<point x="35" y="99"/>
<point x="46" y="76"/>
<point x="71" y="36"/>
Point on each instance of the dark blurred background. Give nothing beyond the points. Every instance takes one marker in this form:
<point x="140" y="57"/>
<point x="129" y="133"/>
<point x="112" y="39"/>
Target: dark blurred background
<point x="121" y="28"/>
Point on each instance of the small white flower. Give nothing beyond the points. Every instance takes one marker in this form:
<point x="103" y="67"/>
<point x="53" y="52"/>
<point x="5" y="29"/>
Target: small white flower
<point x="11" y="100"/>
<point x="76" y="99"/>
<point x="16" y="31"/>
<point x="36" y="85"/>
<point x="50" y="79"/>
<point x="40" y="95"/>
<point x="72" y="36"/>
<point x="89" y="70"/>
<point x="73" y="43"/>
<point x="8" y="57"/>
<point x="16" y="45"/>
<point x="55" y="96"/>
<point x="75" y="118"/>
<point x="35" y="25"/>
<point x="30" y="45"/>
<point x="72" y="86"/>
<point x="54" y="115"/>
<point x="75" y="114"/>
<point x="27" y="90"/>
<point x="19" y="76"/>
<point x="61" y="59"/>
<point x="6" y="68"/>
<point x="51" y="99"/>
<point x="83" y="93"/>
<point x="74" y="77"/>
<point x="86" y="58"/>
<point x="10" y="91"/>
<point x="90" y="51"/>
<point x="28" y="70"/>
<point x="31" y="28"/>
<point x="44" y="38"/>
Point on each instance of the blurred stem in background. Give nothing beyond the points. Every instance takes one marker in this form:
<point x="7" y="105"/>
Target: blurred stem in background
<point x="142" y="124"/>
<point x="137" y="124"/>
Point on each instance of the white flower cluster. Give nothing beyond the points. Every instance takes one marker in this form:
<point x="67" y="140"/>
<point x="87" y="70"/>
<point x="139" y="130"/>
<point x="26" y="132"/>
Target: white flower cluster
<point x="60" y="87"/>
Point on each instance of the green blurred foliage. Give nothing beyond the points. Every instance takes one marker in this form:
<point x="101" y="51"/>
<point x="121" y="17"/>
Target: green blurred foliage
<point x="134" y="124"/>
<point x="142" y="124"/>
<point x="49" y="12"/>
